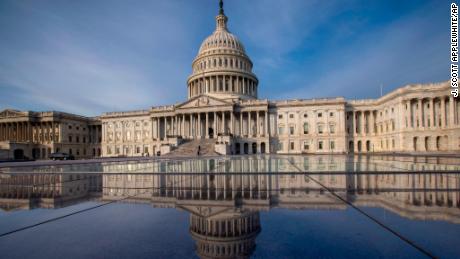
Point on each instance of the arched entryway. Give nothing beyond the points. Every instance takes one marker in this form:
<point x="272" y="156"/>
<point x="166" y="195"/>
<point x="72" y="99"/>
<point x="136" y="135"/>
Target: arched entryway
<point x="262" y="147"/>
<point x="368" y="146"/>
<point x="237" y="148"/>
<point x="427" y="145"/>
<point x="18" y="154"/>
<point x="359" y="146"/>
<point x="254" y="148"/>
<point x="415" y="143"/>
<point x="246" y="148"/>
<point x="351" y="147"/>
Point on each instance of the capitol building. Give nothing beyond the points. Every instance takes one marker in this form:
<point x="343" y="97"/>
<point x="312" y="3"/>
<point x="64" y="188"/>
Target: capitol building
<point x="223" y="115"/>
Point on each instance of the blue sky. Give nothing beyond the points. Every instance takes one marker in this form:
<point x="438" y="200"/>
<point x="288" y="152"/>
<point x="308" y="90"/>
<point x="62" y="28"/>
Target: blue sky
<point x="94" y="56"/>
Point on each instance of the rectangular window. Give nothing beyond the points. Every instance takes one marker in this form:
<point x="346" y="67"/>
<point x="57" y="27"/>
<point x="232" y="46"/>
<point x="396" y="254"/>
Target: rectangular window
<point x="331" y="114"/>
<point x="280" y="130"/>
<point x="332" y="129"/>
<point x="305" y="145"/>
<point x="292" y="145"/>
<point x="320" y="129"/>
<point x="291" y="116"/>
<point x="291" y="130"/>
<point x="320" y="115"/>
<point x="320" y="145"/>
<point x="280" y="146"/>
<point x="332" y="145"/>
<point x="280" y="116"/>
<point x="305" y="128"/>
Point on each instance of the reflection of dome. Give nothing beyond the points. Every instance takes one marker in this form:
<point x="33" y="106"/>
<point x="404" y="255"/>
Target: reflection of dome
<point x="222" y="69"/>
<point x="230" y="234"/>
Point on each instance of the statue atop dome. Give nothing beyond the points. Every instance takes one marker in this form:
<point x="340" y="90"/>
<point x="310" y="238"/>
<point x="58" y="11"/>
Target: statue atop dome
<point x="221" y="7"/>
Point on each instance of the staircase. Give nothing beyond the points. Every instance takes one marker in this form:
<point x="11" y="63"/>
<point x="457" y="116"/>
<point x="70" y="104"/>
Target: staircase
<point x="190" y="148"/>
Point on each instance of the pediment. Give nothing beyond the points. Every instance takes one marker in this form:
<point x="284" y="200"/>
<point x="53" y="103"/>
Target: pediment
<point x="11" y="113"/>
<point x="202" y="101"/>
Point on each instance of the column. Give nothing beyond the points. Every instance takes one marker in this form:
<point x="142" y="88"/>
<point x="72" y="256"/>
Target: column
<point x="215" y="124"/>
<point x="183" y="127"/>
<point x="232" y="123"/>
<point x="354" y="130"/>
<point x="451" y="111"/>
<point x="432" y="122"/>
<point x="241" y="123"/>
<point x="371" y="123"/>
<point x="199" y="126"/>
<point x="443" y="112"/>
<point x="258" y="125"/>
<point x="266" y="124"/>
<point x="249" y="124"/>
<point x="420" y="117"/>
<point x="223" y="122"/>
<point x="362" y="121"/>
<point x="207" y="125"/>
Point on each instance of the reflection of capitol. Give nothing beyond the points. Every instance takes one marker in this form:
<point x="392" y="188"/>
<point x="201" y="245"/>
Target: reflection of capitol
<point x="224" y="196"/>
<point x="224" y="207"/>
<point x="413" y="195"/>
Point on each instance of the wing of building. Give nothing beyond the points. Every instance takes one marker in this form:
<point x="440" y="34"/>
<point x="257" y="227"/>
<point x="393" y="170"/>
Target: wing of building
<point x="224" y="115"/>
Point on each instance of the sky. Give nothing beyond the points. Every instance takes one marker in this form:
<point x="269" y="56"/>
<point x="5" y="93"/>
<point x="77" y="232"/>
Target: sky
<point x="93" y="56"/>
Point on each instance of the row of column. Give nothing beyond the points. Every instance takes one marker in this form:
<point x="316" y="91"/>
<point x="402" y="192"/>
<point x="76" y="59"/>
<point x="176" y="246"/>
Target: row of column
<point x="198" y="125"/>
<point x="223" y="84"/>
<point x="431" y="112"/>
<point x="364" y="122"/>
<point x="16" y="131"/>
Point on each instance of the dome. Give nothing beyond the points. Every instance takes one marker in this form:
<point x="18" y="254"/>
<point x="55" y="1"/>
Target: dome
<point x="221" y="39"/>
<point x="222" y="69"/>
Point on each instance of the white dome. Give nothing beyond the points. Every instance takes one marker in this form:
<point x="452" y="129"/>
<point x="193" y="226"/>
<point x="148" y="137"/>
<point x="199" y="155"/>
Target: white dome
<point x="221" y="39"/>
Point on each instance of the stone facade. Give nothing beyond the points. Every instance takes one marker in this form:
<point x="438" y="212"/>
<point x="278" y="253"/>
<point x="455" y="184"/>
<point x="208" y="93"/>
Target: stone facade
<point x="38" y="134"/>
<point x="223" y="105"/>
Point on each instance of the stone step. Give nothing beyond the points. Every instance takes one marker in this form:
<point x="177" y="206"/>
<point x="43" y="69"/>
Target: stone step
<point x="190" y="148"/>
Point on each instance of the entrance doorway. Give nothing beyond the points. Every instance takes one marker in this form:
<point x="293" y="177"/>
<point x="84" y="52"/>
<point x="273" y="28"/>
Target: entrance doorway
<point x="211" y="132"/>
<point x="246" y="148"/>
<point x="18" y="154"/>
<point x="262" y="148"/>
<point x="254" y="148"/>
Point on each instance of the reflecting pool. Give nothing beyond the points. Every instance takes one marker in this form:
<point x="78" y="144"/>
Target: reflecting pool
<point x="234" y="207"/>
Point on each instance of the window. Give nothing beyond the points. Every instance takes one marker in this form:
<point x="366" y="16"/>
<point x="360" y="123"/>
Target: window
<point x="280" y="130"/>
<point x="332" y="128"/>
<point x="70" y="127"/>
<point x="138" y="150"/>
<point x="280" y="116"/>
<point x="320" y="129"/>
<point x="332" y="145"/>
<point x="291" y="130"/>
<point x="331" y="114"/>
<point x="305" y="115"/>
<point x="78" y="128"/>
<point x="280" y="146"/>
<point x="305" y="145"/>
<point x="320" y="145"/>
<point x="78" y="139"/>
<point x="70" y="139"/>
<point x="291" y="116"/>
<point x="305" y="128"/>
<point x="320" y="115"/>
<point x="292" y="145"/>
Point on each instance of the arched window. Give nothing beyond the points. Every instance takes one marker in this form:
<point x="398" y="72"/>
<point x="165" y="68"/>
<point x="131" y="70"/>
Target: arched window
<point x="220" y="62"/>
<point x="305" y="128"/>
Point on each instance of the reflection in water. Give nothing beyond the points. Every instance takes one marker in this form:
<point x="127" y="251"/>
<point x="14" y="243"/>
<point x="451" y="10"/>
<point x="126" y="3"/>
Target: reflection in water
<point x="224" y="203"/>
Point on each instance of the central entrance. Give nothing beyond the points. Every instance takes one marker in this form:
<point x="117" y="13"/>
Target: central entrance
<point x="211" y="132"/>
